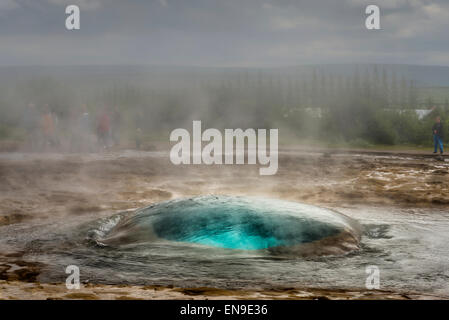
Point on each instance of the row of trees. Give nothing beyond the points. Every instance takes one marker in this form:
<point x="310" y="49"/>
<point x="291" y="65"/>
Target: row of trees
<point x="318" y="88"/>
<point x="369" y="105"/>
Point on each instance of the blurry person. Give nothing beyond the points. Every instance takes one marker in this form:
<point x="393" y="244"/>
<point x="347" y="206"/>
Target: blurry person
<point x="115" y="125"/>
<point x="84" y="119"/>
<point x="31" y="123"/>
<point x="138" y="138"/>
<point x="437" y="130"/>
<point x="103" y="128"/>
<point x="83" y="130"/>
<point x="139" y="123"/>
<point x="48" y="127"/>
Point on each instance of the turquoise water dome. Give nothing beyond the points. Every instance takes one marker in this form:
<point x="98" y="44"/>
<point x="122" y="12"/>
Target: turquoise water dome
<point x="239" y="223"/>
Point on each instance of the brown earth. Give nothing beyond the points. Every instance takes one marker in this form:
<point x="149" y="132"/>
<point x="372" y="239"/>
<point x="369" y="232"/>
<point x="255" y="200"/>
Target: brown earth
<point x="50" y="186"/>
<point x="42" y="291"/>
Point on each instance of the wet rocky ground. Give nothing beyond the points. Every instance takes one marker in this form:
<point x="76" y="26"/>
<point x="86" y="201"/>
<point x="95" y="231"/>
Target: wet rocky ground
<point x="39" y="187"/>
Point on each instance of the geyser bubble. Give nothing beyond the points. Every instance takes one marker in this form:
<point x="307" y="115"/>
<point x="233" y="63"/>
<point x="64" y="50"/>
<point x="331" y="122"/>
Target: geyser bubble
<point x="239" y="223"/>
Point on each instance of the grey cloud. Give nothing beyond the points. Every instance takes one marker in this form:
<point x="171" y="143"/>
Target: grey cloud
<point x="84" y="4"/>
<point x="6" y="5"/>
<point x="225" y="33"/>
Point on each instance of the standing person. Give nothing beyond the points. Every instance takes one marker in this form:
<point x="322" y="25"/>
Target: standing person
<point x="138" y="123"/>
<point x="31" y="124"/>
<point x="437" y="130"/>
<point x="84" y="119"/>
<point x="48" y="127"/>
<point x="103" y="128"/>
<point x="84" y="129"/>
<point x="115" y="128"/>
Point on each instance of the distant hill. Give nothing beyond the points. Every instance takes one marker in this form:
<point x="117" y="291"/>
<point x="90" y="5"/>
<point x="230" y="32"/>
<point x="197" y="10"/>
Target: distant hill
<point x="424" y="76"/>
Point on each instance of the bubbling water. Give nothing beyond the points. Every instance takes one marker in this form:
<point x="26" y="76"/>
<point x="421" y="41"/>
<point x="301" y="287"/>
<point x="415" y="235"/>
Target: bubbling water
<point x="239" y="223"/>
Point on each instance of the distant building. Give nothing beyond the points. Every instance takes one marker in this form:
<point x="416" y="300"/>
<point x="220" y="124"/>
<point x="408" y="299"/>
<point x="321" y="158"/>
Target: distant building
<point x="422" y="113"/>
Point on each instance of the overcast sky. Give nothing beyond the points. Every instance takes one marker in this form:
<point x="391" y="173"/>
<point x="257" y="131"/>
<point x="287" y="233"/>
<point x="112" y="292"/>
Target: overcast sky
<point x="243" y="33"/>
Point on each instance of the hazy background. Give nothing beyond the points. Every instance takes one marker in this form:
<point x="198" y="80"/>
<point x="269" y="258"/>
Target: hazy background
<point x="215" y="33"/>
<point x="309" y="68"/>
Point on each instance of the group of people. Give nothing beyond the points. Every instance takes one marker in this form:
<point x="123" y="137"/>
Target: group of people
<point x="82" y="132"/>
<point x="41" y="126"/>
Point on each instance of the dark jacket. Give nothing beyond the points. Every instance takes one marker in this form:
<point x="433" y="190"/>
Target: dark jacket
<point x="438" y="127"/>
